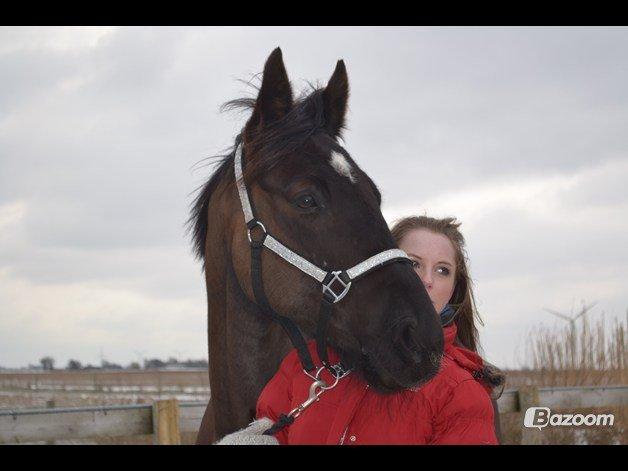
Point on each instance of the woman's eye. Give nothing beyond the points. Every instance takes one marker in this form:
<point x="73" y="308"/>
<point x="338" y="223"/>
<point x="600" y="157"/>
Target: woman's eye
<point x="443" y="271"/>
<point x="306" y="202"/>
<point x="415" y="264"/>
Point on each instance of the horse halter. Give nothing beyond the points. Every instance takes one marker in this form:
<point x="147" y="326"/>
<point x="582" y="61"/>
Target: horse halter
<point x="335" y="284"/>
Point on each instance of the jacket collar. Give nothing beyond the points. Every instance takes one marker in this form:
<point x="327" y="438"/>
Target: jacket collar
<point x="465" y="358"/>
<point x="449" y="333"/>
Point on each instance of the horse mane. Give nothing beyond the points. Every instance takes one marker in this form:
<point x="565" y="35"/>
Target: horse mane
<point x="304" y="120"/>
<point x="196" y="225"/>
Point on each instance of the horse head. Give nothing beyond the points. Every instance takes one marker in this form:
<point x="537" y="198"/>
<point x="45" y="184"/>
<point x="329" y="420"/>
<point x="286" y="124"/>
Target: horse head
<point x="310" y="194"/>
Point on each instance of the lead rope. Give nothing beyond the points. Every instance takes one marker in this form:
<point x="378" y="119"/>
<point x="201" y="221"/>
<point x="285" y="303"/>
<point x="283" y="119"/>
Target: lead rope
<point x="317" y="388"/>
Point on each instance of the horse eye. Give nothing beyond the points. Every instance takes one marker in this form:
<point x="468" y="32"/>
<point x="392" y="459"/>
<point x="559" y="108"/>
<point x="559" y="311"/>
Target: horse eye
<point x="306" y="202"/>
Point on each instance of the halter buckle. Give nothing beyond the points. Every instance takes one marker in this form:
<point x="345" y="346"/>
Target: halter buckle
<point x="336" y="277"/>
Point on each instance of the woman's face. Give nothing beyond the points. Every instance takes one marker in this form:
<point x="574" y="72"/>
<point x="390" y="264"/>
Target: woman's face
<point x="434" y="259"/>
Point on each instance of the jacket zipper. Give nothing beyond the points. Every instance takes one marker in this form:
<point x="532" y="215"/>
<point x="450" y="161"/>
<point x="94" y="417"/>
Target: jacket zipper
<point x="344" y="434"/>
<point x="342" y="439"/>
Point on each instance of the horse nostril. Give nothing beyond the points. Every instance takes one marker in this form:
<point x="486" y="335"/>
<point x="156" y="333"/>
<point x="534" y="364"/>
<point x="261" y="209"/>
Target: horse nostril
<point x="409" y="342"/>
<point x="406" y="336"/>
<point x="409" y="337"/>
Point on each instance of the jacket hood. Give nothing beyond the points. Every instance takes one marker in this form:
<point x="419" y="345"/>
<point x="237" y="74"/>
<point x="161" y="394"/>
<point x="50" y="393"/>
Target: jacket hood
<point x="490" y="376"/>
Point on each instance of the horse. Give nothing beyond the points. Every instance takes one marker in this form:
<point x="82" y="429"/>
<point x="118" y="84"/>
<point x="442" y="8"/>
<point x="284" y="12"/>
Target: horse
<point x="311" y="195"/>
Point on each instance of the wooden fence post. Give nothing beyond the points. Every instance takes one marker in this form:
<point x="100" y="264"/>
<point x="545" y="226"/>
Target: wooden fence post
<point x="50" y="404"/>
<point x="529" y="397"/>
<point x="166" y="422"/>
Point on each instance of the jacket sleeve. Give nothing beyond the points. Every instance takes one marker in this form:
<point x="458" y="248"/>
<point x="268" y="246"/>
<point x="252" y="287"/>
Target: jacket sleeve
<point x="466" y="418"/>
<point x="276" y="397"/>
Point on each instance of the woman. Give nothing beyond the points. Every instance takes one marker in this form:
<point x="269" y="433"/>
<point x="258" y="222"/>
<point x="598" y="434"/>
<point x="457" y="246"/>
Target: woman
<point x="453" y="408"/>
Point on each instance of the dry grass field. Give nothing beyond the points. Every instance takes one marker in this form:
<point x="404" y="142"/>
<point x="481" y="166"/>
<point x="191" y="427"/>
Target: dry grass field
<point x="582" y="353"/>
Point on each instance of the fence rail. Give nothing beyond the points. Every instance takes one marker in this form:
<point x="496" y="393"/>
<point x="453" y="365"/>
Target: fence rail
<point x="166" y="419"/>
<point x="190" y="381"/>
<point x="36" y="425"/>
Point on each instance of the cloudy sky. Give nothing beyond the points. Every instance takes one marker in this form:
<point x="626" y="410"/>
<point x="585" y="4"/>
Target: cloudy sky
<point x="522" y="133"/>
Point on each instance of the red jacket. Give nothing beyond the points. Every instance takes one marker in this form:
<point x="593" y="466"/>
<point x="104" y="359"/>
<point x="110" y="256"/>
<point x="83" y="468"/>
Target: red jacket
<point x="452" y="408"/>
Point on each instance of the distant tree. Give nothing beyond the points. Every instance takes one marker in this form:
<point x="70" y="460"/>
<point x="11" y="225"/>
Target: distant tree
<point x="47" y="363"/>
<point x="134" y="366"/>
<point x="74" y="365"/>
<point x="110" y="366"/>
<point x="153" y="363"/>
<point x="195" y="363"/>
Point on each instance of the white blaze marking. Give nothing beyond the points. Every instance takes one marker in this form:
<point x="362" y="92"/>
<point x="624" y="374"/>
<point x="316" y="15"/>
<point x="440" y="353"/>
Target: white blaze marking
<point x="341" y="165"/>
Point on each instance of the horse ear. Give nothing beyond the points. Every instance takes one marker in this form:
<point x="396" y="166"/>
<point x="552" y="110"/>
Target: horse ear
<point x="335" y="97"/>
<point x="274" y="99"/>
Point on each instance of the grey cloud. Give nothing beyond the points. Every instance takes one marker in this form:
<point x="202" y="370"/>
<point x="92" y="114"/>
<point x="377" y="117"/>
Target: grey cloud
<point x="99" y="143"/>
<point x="606" y="187"/>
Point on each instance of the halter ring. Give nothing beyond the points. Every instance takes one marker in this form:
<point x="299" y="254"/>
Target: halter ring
<point x="248" y="230"/>
<point x="339" y="374"/>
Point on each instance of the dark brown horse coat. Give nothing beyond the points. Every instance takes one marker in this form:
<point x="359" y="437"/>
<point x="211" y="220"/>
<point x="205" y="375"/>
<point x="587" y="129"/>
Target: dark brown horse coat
<point x="311" y="195"/>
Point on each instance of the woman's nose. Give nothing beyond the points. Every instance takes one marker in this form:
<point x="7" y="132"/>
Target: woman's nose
<point x="426" y="279"/>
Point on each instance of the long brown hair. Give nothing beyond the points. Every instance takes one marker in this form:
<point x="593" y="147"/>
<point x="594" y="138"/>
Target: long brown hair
<point x="462" y="299"/>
